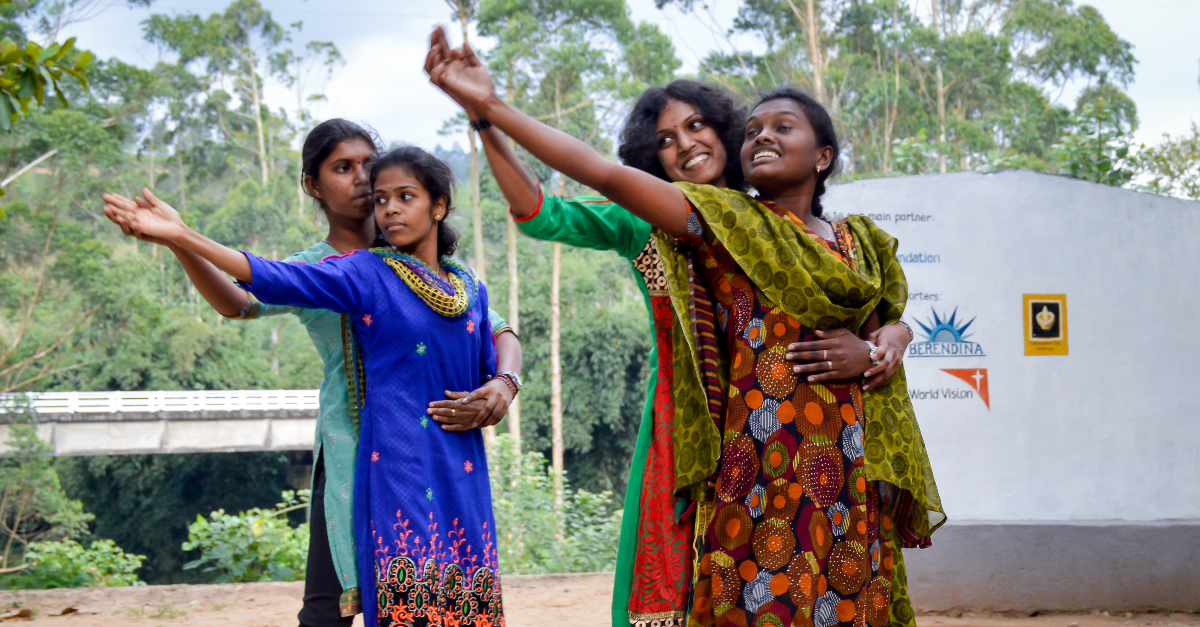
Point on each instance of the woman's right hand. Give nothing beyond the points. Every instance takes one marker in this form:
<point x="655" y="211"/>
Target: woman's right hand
<point x="459" y="73"/>
<point x="144" y="217"/>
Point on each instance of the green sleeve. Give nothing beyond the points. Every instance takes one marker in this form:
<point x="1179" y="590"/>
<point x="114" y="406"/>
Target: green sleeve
<point x="587" y="222"/>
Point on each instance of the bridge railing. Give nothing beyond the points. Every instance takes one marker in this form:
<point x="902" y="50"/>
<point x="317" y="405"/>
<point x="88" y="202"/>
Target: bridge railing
<point x="105" y="423"/>
<point x="181" y="402"/>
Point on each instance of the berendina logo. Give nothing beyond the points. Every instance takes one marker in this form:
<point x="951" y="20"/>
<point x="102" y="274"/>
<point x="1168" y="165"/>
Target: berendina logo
<point x="945" y="337"/>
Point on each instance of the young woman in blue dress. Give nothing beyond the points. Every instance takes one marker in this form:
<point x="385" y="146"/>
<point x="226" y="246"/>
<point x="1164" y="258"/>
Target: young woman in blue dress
<point x="422" y="510"/>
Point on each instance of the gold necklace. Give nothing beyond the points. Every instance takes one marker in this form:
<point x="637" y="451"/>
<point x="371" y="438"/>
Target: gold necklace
<point x="444" y="304"/>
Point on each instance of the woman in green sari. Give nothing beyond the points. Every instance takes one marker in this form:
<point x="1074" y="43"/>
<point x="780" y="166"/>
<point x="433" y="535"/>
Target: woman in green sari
<point x="680" y="132"/>
<point x="798" y="517"/>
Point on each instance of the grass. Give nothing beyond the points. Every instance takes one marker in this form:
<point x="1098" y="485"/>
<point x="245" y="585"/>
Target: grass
<point x="168" y="611"/>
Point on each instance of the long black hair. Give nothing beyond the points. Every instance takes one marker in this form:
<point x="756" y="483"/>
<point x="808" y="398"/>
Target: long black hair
<point x="639" y="145"/>
<point x="435" y="176"/>
<point x="822" y="126"/>
<point x="321" y="142"/>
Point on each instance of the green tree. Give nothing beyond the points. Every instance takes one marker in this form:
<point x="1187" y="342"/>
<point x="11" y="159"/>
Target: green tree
<point x="1173" y="165"/>
<point x="33" y="506"/>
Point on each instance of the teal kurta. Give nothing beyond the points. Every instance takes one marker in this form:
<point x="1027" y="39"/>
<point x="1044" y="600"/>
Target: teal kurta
<point x="597" y="223"/>
<point x="336" y="438"/>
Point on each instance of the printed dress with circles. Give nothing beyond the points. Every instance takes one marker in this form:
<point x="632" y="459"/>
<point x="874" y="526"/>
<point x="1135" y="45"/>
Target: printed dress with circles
<point x="795" y="534"/>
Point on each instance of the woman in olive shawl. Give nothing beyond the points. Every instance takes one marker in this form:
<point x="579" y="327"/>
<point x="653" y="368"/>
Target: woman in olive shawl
<point x="797" y="522"/>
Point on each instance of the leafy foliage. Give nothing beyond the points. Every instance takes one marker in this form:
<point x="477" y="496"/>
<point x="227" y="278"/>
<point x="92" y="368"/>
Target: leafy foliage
<point x="146" y="502"/>
<point x="1097" y="148"/>
<point x="69" y="564"/>
<point x="33" y="506"/>
<point x="1173" y="166"/>
<point x="534" y="538"/>
<point x="254" y="545"/>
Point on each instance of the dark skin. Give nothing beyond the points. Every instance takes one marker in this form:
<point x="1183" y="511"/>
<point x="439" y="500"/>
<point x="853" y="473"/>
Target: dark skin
<point x="841" y="354"/>
<point x="402" y="207"/>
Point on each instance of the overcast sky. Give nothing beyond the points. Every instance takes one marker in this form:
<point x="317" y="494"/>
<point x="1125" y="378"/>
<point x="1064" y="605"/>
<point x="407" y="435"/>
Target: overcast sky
<point x="384" y="45"/>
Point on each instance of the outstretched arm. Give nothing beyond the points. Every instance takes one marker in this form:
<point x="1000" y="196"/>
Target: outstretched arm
<point x="155" y="219"/>
<point x="226" y="298"/>
<point x="464" y="78"/>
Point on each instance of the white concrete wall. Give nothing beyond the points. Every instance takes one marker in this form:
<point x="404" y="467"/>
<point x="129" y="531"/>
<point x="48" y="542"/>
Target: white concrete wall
<point x="1110" y="431"/>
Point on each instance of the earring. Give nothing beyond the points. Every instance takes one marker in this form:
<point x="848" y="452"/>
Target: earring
<point x="818" y="169"/>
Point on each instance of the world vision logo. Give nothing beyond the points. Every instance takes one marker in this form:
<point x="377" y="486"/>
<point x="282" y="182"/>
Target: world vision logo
<point x="945" y="338"/>
<point x="977" y="378"/>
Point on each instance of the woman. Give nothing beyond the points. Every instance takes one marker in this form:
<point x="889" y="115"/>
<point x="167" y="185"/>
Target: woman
<point x="382" y="295"/>
<point x="778" y="542"/>
<point x="682" y="132"/>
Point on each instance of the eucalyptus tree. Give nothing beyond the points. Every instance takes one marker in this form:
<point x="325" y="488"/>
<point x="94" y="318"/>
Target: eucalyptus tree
<point x="235" y="44"/>
<point x="304" y="69"/>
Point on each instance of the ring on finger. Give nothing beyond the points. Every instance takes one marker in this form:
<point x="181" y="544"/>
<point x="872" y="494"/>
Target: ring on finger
<point x="825" y="354"/>
<point x="830" y="364"/>
<point x="453" y="411"/>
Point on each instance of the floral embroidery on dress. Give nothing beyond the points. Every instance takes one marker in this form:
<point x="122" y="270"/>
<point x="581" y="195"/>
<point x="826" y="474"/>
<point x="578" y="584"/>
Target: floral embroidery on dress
<point x="429" y="494"/>
<point x="437" y="581"/>
<point x="367" y="319"/>
<point x="424" y="422"/>
<point x="421" y="348"/>
<point x="470" y="326"/>
<point x="467" y="466"/>
<point x="375" y="456"/>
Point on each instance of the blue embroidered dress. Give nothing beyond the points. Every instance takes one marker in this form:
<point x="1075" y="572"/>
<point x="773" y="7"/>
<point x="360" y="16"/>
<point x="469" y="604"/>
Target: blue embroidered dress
<point x="423" y="523"/>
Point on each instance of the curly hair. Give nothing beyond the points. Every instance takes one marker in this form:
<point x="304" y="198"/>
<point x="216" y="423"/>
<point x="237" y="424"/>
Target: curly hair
<point x="435" y="176"/>
<point x="639" y="147"/>
<point x="822" y="126"/>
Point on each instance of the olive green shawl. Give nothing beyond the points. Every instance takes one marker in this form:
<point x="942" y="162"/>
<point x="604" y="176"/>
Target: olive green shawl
<point x="799" y="275"/>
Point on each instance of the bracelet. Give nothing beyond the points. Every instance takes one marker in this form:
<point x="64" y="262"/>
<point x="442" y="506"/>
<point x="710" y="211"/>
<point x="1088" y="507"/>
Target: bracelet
<point x="480" y="125"/>
<point x="512" y="387"/>
<point x="910" y="332"/>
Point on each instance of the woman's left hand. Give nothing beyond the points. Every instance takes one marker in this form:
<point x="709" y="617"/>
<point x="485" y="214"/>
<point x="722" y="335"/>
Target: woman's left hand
<point x="484" y="407"/>
<point x="839" y="354"/>
<point x="893" y="341"/>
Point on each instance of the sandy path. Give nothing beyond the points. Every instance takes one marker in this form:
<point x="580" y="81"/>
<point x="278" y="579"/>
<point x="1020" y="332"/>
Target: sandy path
<point x="581" y="600"/>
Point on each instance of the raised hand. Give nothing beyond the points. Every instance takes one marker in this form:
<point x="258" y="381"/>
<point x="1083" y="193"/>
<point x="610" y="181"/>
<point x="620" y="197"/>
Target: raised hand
<point x="459" y="73"/>
<point x="145" y="217"/>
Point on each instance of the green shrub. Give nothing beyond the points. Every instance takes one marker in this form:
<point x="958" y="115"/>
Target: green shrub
<point x="531" y="536"/>
<point x="69" y="564"/>
<point x="254" y="545"/>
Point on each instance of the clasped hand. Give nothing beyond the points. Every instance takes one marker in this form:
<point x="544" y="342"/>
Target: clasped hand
<point x="839" y="355"/>
<point x="484" y="407"/>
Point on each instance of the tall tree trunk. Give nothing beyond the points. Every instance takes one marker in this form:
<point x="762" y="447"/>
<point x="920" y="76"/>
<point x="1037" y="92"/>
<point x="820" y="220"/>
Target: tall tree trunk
<point x="556" y="415"/>
<point x="556" y="410"/>
<point x="256" y="101"/>
<point x="894" y="112"/>
<point x="514" y="289"/>
<point x="182" y="180"/>
<point x="299" y="157"/>
<point x="814" y="52"/>
<point x="941" y="105"/>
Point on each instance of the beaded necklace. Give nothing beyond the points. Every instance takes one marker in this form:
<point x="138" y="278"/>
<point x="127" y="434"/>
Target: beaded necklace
<point x="450" y="297"/>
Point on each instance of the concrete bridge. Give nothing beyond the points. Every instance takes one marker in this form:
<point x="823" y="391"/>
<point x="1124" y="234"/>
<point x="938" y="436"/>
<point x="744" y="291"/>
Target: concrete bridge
<point x="212" y="421"/>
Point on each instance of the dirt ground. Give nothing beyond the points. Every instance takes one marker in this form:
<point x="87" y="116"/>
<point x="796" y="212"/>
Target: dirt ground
<point x="581" y="600"/>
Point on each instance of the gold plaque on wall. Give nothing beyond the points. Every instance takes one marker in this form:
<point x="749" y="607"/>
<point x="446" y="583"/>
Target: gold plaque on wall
<point x="1045" y="324"/>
